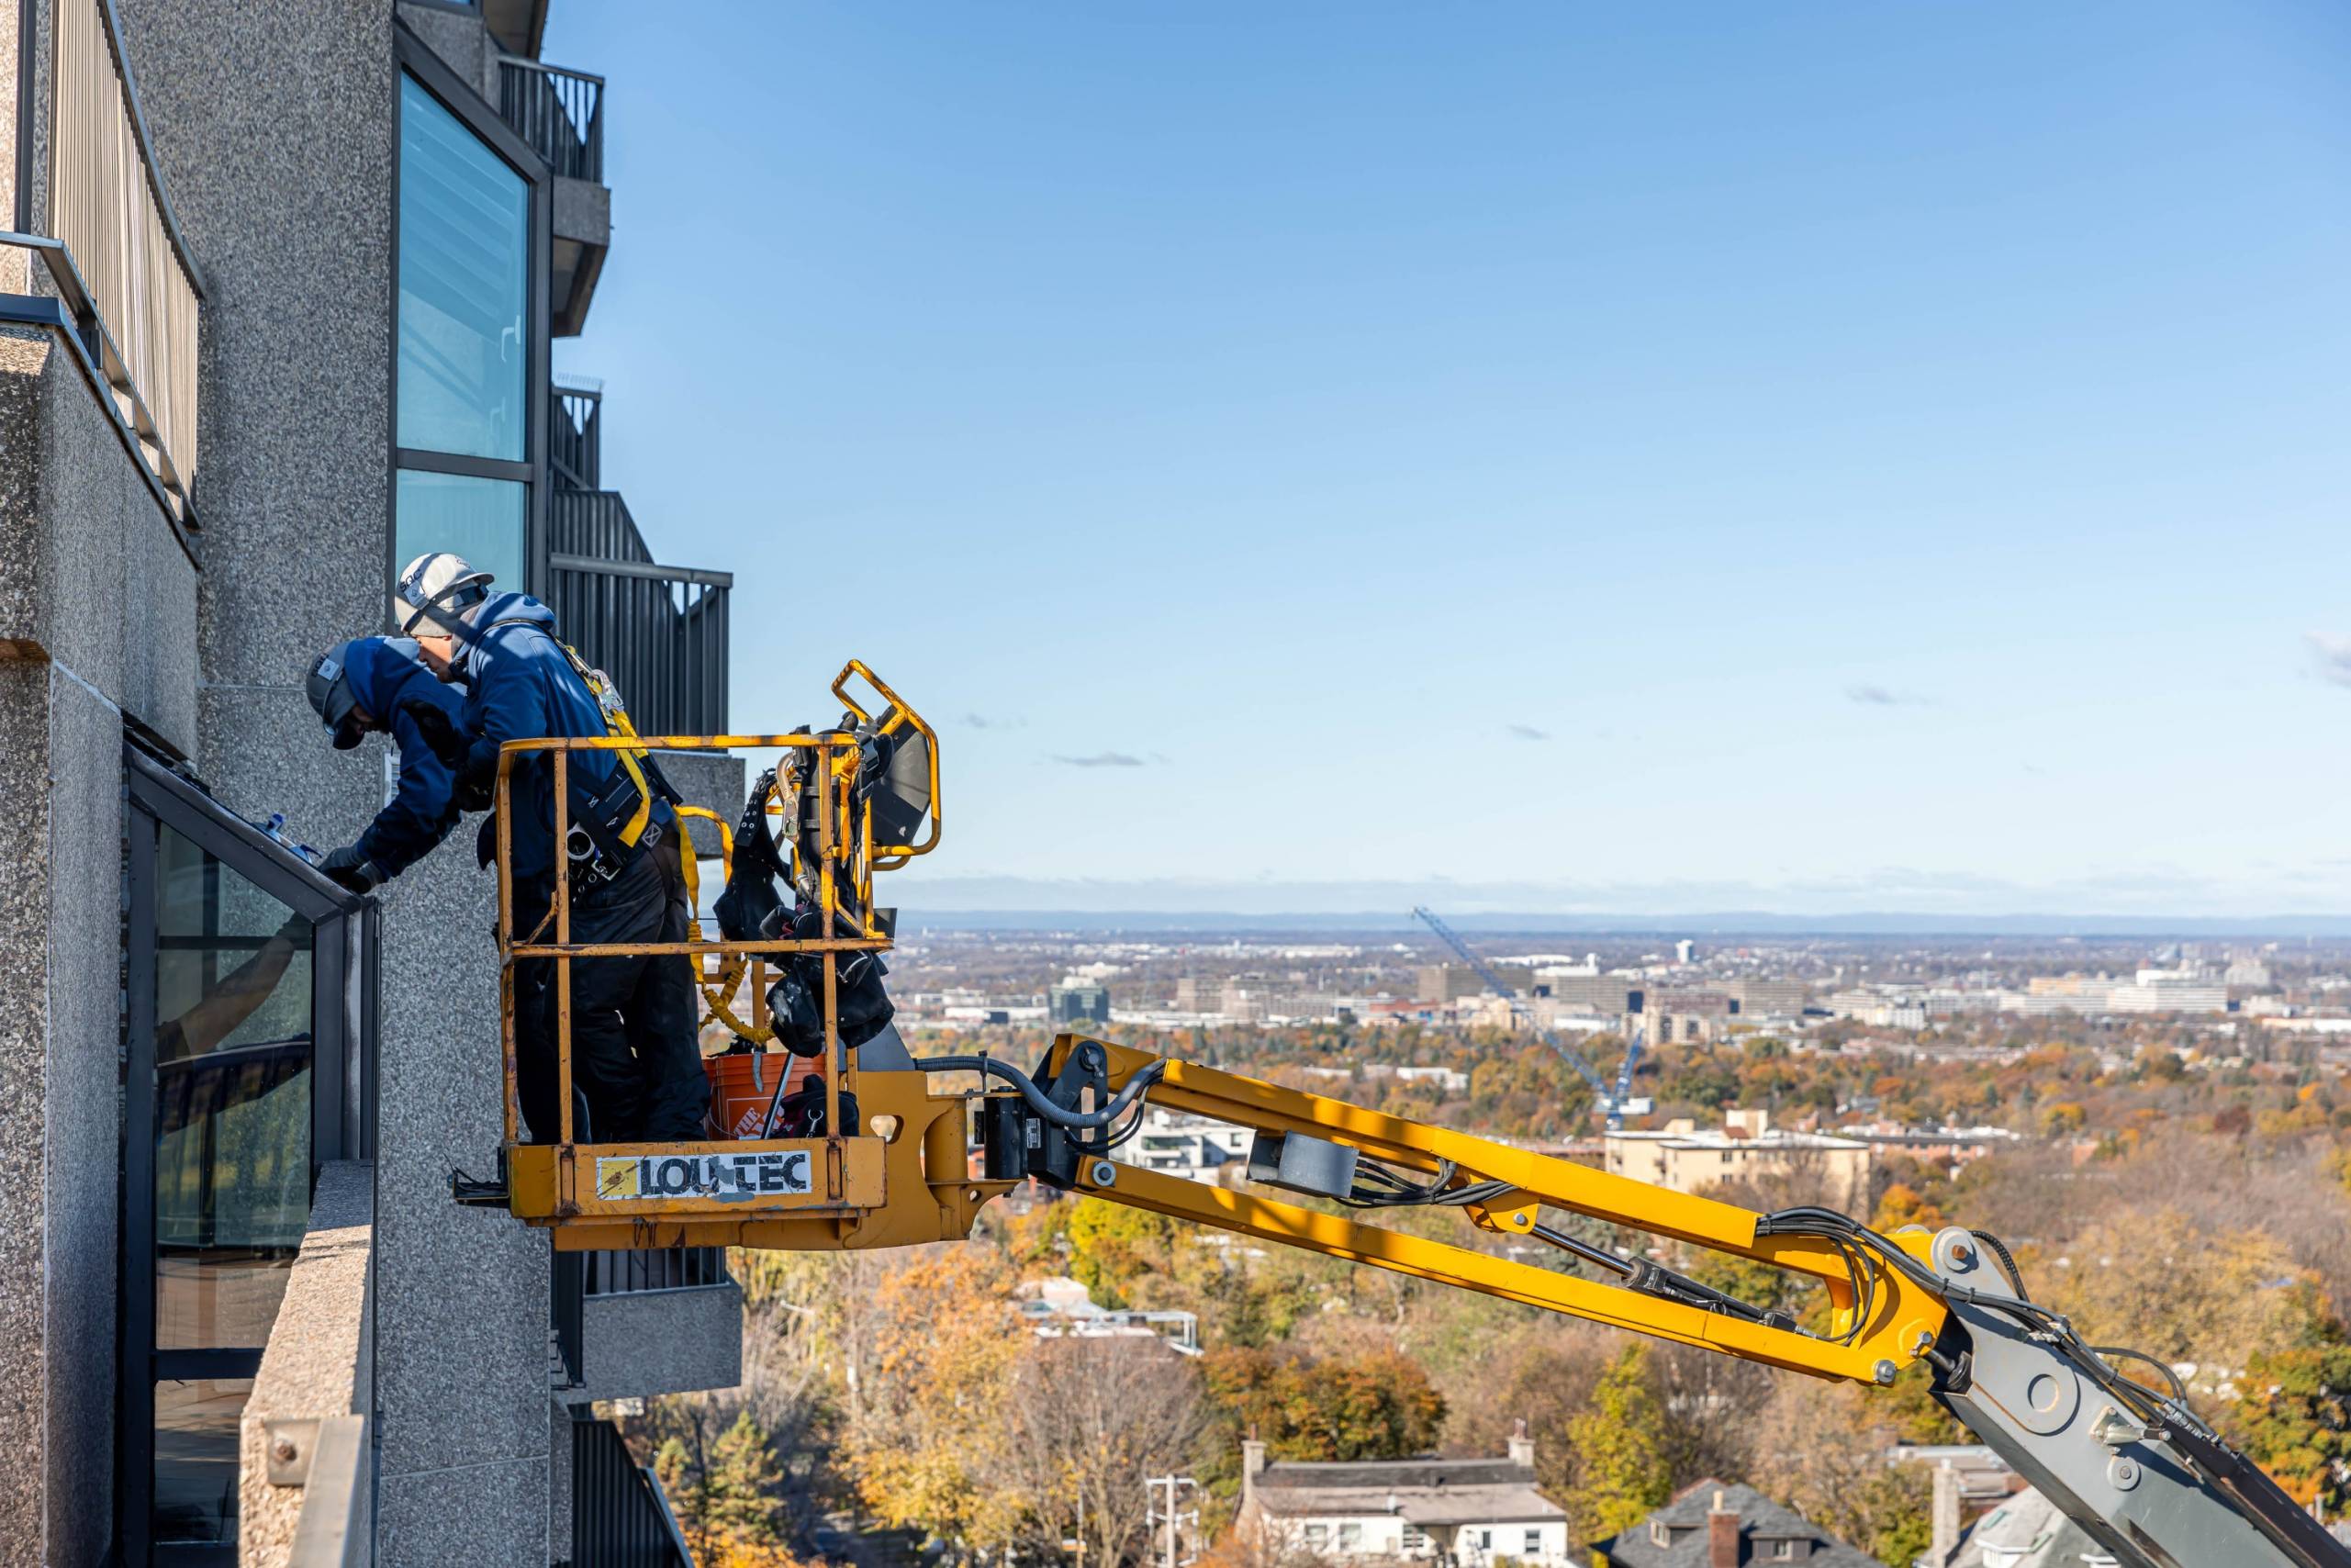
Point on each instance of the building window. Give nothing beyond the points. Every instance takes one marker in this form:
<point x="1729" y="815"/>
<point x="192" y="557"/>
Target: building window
<point x="465" y="287"/>
<point x="1784" y="1550"/>
<point x="245" y="971"/>
<point x="1658" y="1534"/>
<point x="1415" y="1541"/>
<point x="484" y="521"/>
<point x="1350" y="1536"/>
<point x="1534" y="1543"/>
<point x="1485" y="1540"/>
<point x="469" y="370"/>
<point x="1317" y="1537"/>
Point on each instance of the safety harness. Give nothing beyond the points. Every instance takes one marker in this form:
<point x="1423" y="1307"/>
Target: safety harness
<point x="718" y="989"/>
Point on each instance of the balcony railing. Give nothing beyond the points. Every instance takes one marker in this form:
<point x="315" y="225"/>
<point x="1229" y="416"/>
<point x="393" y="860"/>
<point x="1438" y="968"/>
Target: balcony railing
<point x="108" y="209"/>
<point x="618" y="1511"/>
<point x="575" y="439"/>
<point x="659" y="631"/>
<point x="655" y="1268"/>
<point x="560" y="113"/>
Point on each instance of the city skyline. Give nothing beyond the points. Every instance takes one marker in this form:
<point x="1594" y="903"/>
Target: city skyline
<point x="1813" y="463"/>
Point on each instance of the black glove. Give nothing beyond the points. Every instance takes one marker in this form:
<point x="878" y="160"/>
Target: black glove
<point x="351" y="867"/>
<point x="486" y="844"/>
<point x="439" y="732"/>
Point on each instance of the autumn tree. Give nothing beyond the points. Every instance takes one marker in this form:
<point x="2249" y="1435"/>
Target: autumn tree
<point x="1821" y="1449"/>
<point x="927" y="1445"/>
<point x="1090" y="1418"/>
<point x="2293" y="1415"/>
<point x="1622" y="1471"/>
<point x="2163" y="1284"/>
<point x="1375" y="1406"/>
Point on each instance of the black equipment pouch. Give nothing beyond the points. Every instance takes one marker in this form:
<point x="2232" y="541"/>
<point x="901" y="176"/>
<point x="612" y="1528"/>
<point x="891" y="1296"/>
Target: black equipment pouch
<point x="597" y="849"/>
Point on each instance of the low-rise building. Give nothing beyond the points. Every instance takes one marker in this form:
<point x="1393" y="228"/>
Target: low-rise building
<point x="1711" y="1525"/>
<point x="1745" y="1147"/>
<point x="1756" y="996"/>
<point x="1463" y="1511"/>
<point x="2026" y="1531"/>
<point x="1177" y="1143"/>
<point x="1452" y="982"/>
<point x="1947" y="1145"/>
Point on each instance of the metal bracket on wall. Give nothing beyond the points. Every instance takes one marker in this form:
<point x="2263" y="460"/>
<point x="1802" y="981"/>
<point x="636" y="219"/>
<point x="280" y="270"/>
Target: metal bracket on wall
<point x="288" y="1443"/>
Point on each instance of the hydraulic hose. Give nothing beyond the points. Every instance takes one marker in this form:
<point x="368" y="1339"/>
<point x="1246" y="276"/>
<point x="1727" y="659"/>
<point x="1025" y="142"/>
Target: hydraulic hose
<point x="1060" y="1116"/>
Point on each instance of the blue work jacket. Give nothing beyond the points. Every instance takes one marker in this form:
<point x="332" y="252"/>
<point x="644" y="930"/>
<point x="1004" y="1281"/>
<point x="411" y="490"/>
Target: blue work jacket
<point x="520" y="686"/>
<point x="386" y="674"/>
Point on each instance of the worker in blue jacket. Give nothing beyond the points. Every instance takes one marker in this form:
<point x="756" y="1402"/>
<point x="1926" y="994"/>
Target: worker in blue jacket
<point x="378" y="685"/>
<point x="636" y="1051"/>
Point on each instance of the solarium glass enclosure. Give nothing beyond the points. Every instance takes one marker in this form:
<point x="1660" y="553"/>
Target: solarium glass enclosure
<point x="248" y="984"/>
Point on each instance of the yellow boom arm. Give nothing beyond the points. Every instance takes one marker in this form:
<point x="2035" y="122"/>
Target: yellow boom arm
<point x="1901" y="1319"/>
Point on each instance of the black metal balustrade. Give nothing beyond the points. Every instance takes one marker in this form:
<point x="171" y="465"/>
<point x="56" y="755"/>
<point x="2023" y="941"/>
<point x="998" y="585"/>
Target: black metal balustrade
<point x="655" y="1268"/>
<point x="660" y="633"/>
<point x="574" y="440"/>
<point x="560" y="113"/>
<point x="619" y="1517"/>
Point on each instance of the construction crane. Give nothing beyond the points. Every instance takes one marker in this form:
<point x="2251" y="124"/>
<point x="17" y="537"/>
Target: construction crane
<point x="880" y="1157"/>
<point x="1611" y="1101"/>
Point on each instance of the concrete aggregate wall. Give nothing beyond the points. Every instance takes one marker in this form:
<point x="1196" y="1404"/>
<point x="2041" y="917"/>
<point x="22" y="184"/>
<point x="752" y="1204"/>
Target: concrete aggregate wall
<point x="81" y="541"/>
<point x="285" y="195"/>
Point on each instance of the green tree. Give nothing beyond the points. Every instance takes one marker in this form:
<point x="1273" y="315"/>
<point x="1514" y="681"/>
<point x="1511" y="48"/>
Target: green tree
<point x="1112" y="1245"/>
<point x="725" y="1490"/>
<point x="2294" y="1412"/>
<point x="1621" y="1466"/>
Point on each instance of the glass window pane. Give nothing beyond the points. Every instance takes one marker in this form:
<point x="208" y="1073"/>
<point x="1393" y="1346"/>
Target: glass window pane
<point x="481" y="519"/>
<point x="196" y="1458"/>
<point x="464" y="287"/>
<point x="232" y="1100"/>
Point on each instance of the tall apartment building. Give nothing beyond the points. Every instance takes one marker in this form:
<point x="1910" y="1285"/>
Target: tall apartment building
<point x="274" y="315"/>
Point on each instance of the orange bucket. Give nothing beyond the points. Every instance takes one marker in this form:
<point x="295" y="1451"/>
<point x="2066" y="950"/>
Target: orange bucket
<point x="743" y="1085"/>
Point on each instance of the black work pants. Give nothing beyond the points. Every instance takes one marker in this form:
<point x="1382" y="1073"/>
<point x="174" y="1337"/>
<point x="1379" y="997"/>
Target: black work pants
<point x="635" y="1056"/>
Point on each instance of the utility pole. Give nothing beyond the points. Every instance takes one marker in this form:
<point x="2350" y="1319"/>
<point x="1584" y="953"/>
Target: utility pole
<point x="1172" y="1516"/>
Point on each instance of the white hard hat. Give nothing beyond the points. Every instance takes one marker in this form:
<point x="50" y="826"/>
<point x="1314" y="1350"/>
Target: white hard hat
<point x="435" y="591"/>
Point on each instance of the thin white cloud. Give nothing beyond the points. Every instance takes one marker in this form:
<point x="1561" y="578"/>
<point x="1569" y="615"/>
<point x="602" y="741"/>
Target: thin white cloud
<point x="1873" y="696"/>
<point x="1102" y="759"/>
<point x="1528" y="732"/>
<point x="2332" y="654"/>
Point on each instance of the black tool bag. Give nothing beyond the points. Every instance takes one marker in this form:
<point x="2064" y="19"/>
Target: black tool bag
<point x="750" y="898"/>
<point x="800" y="1114"/>
<point x="796" y="1002"/>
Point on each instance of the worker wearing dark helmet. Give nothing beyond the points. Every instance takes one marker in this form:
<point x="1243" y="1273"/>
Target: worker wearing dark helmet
<point x="378" y="685"/>
<point x="635" y="1050"/>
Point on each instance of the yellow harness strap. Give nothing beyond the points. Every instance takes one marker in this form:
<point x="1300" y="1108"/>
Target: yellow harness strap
<point x="616" y="717"/>
<point x="717" y="989"/>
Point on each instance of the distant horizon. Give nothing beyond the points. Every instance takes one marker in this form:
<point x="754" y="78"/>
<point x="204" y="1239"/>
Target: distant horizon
<point x="1717" y="926"/>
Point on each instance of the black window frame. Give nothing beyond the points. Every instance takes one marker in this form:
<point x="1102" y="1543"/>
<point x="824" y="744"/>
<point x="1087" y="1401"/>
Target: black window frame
<point x="344" y="1012"/>
<point x="412" y="56"/>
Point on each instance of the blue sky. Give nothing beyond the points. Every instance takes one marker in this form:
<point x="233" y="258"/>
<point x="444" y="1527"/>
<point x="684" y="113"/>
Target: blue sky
<point x="1535" y="457"/>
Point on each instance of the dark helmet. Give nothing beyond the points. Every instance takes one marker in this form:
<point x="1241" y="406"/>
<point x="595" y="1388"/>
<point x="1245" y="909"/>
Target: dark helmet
<point x="331" y="694"/>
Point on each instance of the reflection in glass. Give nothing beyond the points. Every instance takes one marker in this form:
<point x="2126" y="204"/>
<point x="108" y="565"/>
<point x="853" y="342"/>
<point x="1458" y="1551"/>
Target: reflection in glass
<point x="464" y="287"/>
<point x="478" y="519"/>
<point x="196" y="1458"/>
<point x="233" y="1101"/>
